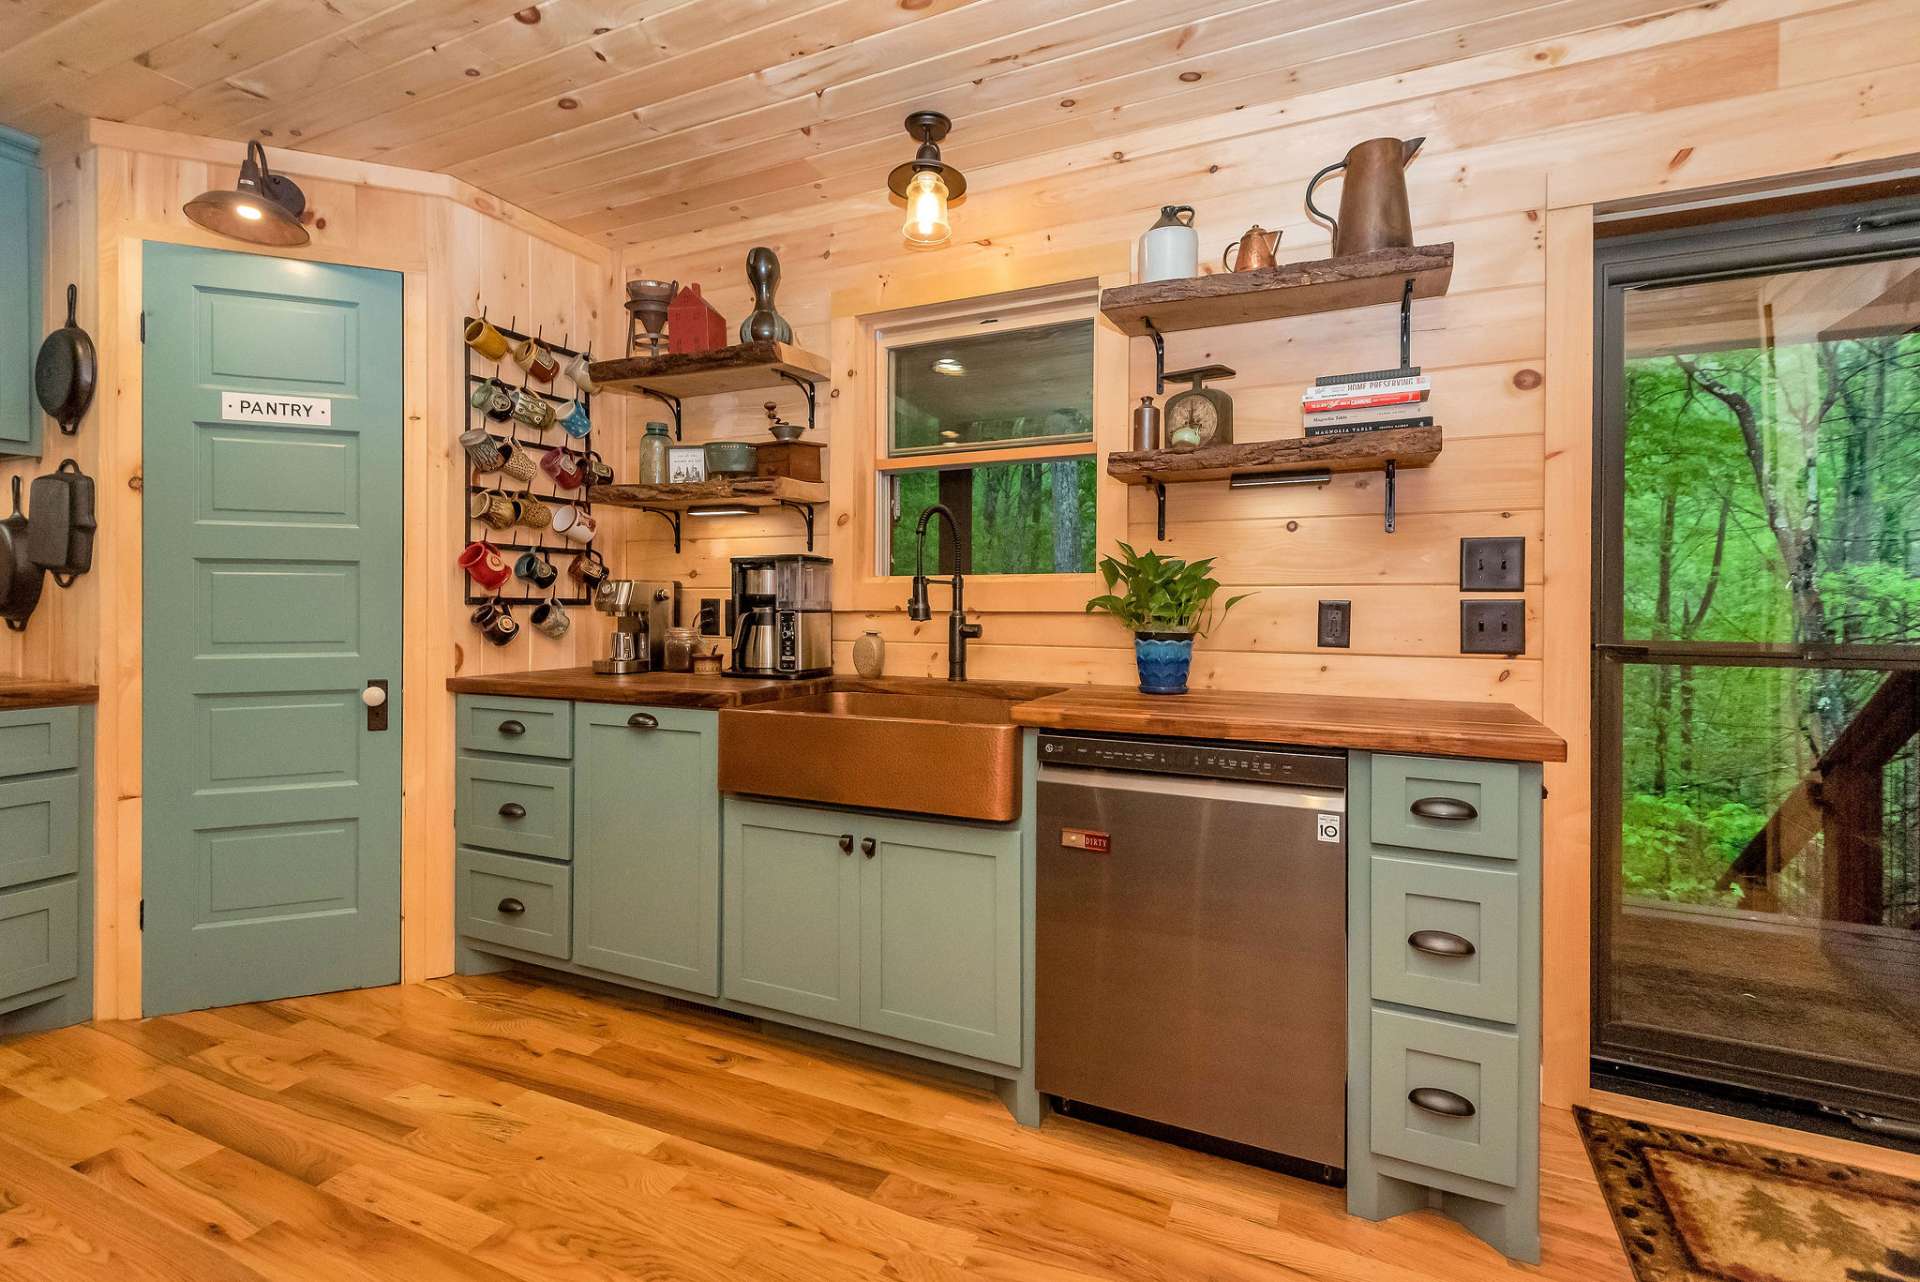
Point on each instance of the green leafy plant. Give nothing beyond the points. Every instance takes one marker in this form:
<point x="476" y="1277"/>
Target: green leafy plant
<point x="1148" y="592"/>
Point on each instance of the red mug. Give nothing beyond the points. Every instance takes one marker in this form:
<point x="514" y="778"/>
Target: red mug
<point x="483" y="564"/>
<point x="563" y="467"/>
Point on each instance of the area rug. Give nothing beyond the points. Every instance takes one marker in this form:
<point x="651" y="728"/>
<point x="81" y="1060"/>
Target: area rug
<point x="1692" y="1208"/>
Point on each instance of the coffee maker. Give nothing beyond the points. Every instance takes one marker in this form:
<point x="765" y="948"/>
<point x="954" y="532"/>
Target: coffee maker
<point x="642" y="610"/>
<point x="782" y="616"/>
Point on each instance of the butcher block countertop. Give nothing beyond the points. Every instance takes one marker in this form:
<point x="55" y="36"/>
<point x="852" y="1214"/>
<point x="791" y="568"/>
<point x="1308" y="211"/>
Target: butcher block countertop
<point x="650" y="689"/>
<point x="1496" y="731"/>
<point x="18" y="694"/>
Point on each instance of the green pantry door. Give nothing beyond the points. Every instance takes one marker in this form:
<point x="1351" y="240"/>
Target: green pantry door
<point x="272" y="499"/>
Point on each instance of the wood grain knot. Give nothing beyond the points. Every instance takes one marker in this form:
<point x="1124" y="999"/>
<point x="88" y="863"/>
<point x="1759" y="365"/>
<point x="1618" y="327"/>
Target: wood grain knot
<point x="1527" y="379"/>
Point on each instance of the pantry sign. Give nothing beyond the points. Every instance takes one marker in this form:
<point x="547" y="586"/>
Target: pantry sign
<point x="259" y="407"/>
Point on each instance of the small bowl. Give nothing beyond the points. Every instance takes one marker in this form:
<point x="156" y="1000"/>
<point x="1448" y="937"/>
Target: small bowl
<point x="787" y="431"/>
<point x="731" y="458"/>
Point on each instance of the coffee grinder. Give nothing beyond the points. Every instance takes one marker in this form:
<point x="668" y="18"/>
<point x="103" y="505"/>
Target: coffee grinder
<point x="642" y="611"/>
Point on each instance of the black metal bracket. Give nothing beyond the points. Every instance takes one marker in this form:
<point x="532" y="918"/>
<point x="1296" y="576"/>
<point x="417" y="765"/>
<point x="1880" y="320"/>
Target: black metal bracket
<point x="806" y="514"/>
<point x="673" y="519"/>
<point x="1160" y="357"/>
<point x="1390" y="472"/>
<point x="811" y="391"/>
<point x="1160" y="501"/>
<point x="671" y="402"/>
<point x="1406" y="327"/>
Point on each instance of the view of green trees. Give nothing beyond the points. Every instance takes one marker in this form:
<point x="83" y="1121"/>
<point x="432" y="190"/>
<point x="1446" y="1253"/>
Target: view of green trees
<point x="1025" y="518"/>
<point x="1772" y="496"/>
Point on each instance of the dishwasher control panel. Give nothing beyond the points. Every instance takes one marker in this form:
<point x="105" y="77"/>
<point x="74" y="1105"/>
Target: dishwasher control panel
<point x="1200" y="759"/>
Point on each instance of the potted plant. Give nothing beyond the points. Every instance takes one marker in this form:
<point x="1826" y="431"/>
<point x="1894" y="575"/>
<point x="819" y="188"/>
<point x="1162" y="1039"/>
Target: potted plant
<point x="1167" y="602"/>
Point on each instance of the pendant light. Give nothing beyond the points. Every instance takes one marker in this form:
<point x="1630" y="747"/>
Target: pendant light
<point x="264" y="208"/>
<point x="926" y="184"/>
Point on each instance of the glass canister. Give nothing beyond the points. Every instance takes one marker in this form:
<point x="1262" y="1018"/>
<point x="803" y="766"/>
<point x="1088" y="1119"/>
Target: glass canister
<point x="653" y="455"/>
<point x="677" y="654"/>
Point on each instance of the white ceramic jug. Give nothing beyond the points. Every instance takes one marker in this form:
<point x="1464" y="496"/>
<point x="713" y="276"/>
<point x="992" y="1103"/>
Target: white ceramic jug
<point x="1171" y="248"/>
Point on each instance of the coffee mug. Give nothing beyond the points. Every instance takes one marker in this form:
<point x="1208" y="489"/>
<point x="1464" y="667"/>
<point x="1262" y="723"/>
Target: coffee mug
<point x="574" y="421"/>
<point x="486" y="340"/>
<point x="500" y="626"/>
<point x="575" y="523"/>
<point x="580" y="374"/>
<point x="551" y="618"/>
<point x="483" y="564"/>
<point x="535" y="569"/>
<point x="532" y="409"/>
<point x="493" y="397"/>
<point x="534" y="514"/>
<point x="493" y="507"/>
<point x="482" y="450"/>
<point x="589" y="569"/>
<point x="483" y="613"/>
<point x="562" y="467"/>
<point x="516" y="462"/>
<point x="535" y="359"/>
<point x="594" y="470"/>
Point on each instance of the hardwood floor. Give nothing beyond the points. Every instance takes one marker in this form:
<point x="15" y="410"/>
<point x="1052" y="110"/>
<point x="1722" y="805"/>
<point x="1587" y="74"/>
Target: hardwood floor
<point x="505" y="1130"/>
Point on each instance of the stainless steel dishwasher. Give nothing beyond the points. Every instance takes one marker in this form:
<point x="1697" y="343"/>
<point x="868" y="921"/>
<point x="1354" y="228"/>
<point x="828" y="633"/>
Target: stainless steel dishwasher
<point x="1191" y="963"/>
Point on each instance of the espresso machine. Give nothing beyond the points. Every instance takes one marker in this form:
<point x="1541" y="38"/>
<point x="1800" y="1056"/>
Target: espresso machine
<point x="642" y="610"/>
<point x="782" y="616"/>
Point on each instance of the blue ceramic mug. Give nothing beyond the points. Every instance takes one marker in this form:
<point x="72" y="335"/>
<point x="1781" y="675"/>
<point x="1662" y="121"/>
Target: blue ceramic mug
<point x="575" y="421"/>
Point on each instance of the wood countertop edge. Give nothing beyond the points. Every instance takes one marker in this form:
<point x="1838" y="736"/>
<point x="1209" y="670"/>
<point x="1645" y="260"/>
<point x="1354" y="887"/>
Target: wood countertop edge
<point x="24" y="696"/>
<point x="583" y="685"/>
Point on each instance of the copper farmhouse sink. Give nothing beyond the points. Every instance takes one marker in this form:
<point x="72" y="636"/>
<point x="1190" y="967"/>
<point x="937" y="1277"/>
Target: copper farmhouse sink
<point x="923" y="747"/>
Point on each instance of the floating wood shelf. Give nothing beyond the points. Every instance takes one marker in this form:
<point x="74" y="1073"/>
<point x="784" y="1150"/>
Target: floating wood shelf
<point x="741" y="368"/>
<point x="1385" y="451"/>
<point x="1268" y="293"/>
<point x="673" y="501"/>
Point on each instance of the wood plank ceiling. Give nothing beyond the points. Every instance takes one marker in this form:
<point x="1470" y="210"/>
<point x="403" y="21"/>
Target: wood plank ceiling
<point x="608" y="115"/>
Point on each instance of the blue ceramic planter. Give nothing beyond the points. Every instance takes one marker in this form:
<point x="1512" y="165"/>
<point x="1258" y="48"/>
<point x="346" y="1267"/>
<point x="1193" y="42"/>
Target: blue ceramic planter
<point x="1163" y="658"/>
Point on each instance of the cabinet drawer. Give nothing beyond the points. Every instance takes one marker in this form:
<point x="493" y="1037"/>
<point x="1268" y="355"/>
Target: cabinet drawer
<point x="1433" y="803"/>
<point x="39" y="828"/>
<point x="35" y="740"/>
<point x="514" y="805"/>
<point x="1446" y="937"/>
<point x="521" y="903"/>
<point x="39" y="938"/>
<point x="523" y="727"/>
<point x="1469" y="1080"/>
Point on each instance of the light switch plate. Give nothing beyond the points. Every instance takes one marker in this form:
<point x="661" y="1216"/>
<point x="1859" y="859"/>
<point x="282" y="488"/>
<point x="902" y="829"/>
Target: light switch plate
<point x="1336" y="624"/>
<point x="1493" y="627"/>
<point x="1493" y="565"/>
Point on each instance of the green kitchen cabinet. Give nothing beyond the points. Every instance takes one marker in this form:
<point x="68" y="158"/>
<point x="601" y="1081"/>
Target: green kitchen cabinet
<point x="792" y="920"/>
<point x="23" y="214"/>
<point x="646" y="844"/>
<point x="46" y="868"/>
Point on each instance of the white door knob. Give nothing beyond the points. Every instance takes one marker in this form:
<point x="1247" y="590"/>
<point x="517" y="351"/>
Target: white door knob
<point x="373" y="696"/>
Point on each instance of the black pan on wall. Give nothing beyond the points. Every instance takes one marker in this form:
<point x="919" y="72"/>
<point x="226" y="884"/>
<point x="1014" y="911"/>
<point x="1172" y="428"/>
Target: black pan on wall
<point x="64" y="374"/>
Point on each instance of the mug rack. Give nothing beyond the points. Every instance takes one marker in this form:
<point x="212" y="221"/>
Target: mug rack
<point x="553" y="547"/>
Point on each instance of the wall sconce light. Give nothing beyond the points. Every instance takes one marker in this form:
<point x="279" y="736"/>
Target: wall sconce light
<point x="926" y="184"/>
<point x="263" y="208"/>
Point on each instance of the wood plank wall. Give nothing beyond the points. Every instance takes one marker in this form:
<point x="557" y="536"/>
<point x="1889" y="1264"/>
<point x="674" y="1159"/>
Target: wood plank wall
<point x="112" y="188"/>
<point x="1521" y="145"/>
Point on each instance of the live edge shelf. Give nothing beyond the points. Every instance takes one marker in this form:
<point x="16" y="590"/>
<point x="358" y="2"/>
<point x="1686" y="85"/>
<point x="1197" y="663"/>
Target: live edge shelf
<point x="1270" y="293"/>
<point x="1384" y="452"/>
<point x="740" y="368"/>
<point x="727" y="493"/>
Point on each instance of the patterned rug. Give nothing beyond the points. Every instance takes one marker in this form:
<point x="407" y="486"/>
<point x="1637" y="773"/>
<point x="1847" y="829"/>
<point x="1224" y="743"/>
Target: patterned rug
<point x="1691" y="1208"/>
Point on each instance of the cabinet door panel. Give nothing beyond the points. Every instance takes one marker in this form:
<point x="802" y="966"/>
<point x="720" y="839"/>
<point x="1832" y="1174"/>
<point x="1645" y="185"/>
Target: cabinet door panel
<point x="792" y="922"/>
<point x="646" y="828"/>
<point x="23" y="214"/>
<point x="522" y="806"/>
<point x="940" y="936"/>
<point x="39" y="828"/>
<point x="39" y="940"/>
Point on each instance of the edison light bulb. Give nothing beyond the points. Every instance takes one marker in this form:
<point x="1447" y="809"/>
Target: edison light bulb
<point x="927" y="210"/>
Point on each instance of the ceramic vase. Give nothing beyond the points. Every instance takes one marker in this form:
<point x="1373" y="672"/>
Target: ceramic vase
<point x="870" y="654"/>
<point x="1163" y="659"/>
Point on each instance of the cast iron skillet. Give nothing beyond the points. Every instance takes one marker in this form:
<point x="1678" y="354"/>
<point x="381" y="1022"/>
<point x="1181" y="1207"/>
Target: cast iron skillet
<point x="23" y="577"/>
<point x="63" y="376"/>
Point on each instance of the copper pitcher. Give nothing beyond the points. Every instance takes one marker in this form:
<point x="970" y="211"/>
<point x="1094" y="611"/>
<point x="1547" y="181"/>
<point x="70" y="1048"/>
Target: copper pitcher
<point x="1373" y="197"/>
<point x="1255" y="249"/>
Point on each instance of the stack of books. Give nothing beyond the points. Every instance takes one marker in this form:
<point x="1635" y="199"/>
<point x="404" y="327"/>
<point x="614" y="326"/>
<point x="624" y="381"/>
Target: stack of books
<point x="1368" y="401"/>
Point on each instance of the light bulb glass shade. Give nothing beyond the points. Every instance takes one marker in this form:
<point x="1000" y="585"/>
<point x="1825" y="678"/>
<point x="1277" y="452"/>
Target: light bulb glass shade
<point x="927" y="222"/>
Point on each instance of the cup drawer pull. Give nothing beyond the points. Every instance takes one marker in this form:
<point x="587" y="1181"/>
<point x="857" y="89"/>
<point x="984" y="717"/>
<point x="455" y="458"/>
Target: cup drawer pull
<point x="513" y="907"/>
<point x="512" y="729"/>
<point x="513" y="810"/>
<point x="643" y="721"/>
<point x="1440" y="943"/>
<point x="846" y="843"/>
<point x="1440" y="1103"/>
<point x="1445" y="809"/>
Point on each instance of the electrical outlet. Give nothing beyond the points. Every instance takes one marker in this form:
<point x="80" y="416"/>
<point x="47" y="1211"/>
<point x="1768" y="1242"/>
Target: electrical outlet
<point x="709" y="624"/>
<point x="1493" y="565"/>
<point x="1336" y="624"/>
<point x="1493" y="627"/>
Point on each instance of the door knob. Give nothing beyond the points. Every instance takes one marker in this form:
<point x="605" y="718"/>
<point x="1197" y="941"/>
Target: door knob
<point x="374" y="695"/>
<point x="846" y="843"/>
<point x="867" y="845"/>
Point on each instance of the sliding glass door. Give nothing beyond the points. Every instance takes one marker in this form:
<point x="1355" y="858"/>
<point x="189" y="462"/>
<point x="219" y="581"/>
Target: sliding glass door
<point x="1757" y="908"/>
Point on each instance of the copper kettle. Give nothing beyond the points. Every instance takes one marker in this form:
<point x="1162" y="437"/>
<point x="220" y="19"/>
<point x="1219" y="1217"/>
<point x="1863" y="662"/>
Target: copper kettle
<point x="1373" y="197"/>
<point x="1255" y="249"/>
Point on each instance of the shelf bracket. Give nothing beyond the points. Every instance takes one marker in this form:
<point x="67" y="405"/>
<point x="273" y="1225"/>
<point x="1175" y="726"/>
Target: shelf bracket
<point x="810" y="390"/>
<point x="671" y="402"/>
<point x="673" y="519"/>
<point x="807" y="515"/>
<point x="1390" y="472"/>
<point x="1160" y="503"/>
<point x="1406" y="329"/>
<point x="1160" y="355"/>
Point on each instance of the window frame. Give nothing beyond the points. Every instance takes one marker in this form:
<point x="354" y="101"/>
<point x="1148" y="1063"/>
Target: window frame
<point x="860" y="468"/>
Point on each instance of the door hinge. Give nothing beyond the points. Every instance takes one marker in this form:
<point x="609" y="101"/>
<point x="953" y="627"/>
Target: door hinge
<point x="143" y="327"/>
<point x="143" y="914"/>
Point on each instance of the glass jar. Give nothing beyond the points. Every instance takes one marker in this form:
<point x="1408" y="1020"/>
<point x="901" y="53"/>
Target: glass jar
<point x="653" y="455"/>
<point x="677" y="653"/>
